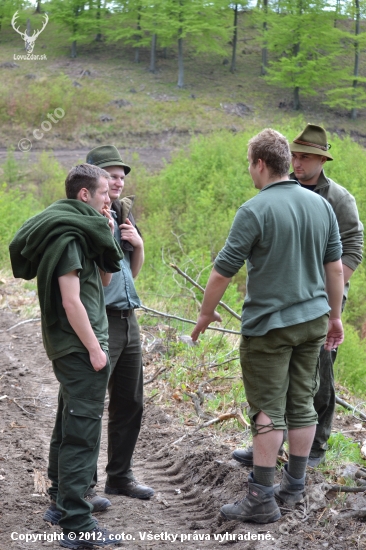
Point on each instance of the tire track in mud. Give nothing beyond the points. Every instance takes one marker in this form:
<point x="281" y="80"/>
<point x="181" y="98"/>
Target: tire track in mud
<point x="192" y="479"/>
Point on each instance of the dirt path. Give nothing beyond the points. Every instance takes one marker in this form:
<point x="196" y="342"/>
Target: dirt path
<point x="150" y="157"/>
<point x="192" y="476"/>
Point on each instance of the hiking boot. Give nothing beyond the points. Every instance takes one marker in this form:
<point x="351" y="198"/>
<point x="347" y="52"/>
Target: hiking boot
<point x="314" y="461"/>
<point x="258" y="506"/>
<point x="131" y="489"/>
<point x="99" y="503"/>
<point x="290" y="491"/>
<point x="90" y="539"/>
<point x="53" y="515"/>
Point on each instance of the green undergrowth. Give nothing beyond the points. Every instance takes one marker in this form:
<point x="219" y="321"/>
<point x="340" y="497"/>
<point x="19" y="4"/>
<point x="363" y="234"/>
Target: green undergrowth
<point x="342" y="450"/>
<point x="185" y="212"/>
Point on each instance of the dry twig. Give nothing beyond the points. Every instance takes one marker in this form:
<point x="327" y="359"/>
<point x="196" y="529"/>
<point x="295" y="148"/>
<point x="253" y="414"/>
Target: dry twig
<point x="343" y="488"/>
<point x="197" y="402"/>
<point x="349" y="407"/>
<point x="155" y="375"/>
<point x="21" y="323"/>
<point x="148" y="309"/>
<point x="226" y="416"/>
<point x="193" y="282"/>
<point x="352" y="514"/>
<point x="20" y="407"/>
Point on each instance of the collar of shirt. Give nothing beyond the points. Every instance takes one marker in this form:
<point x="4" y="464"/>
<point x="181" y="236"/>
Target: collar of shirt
<point x="285" y="182"/>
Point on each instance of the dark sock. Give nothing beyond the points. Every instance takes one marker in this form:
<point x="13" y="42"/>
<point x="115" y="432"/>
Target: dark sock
<point x="264" y="475"/>
<point x="297" y="466"/>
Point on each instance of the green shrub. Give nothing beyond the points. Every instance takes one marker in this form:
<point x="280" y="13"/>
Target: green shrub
<point x="49" y="180"/>
<point x="15" y="208"/>
<point x="350" y="365"/>
<point x="29" y="107"/>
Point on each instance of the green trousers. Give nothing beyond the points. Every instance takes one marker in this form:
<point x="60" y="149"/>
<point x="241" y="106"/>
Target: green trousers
<point x="75" y="440"/>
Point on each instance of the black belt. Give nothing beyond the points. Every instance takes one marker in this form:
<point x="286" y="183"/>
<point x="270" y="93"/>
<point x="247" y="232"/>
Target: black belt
<point x="121" y="313"/>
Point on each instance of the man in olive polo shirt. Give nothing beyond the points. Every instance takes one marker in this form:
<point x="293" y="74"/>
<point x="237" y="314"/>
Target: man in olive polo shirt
<point x="70" y="248"/>
<point x="288" y="237"/>
<point x="310" y="153"/>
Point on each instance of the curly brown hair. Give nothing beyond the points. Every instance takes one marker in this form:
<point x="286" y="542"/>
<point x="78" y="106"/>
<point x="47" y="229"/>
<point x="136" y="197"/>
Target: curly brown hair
<point x="273" y="148"/>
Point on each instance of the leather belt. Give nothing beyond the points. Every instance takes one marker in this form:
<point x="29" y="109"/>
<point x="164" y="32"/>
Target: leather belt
<point x="121" y="313"/>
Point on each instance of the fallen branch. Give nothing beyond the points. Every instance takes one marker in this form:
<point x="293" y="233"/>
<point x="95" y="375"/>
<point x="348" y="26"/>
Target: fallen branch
<point x="226" y="416"/>
<point x="21" y="323"/>
<point x="178" y="440"/>
<point x="151" y="398"/>
<point x="353" y="514"/>
<point x="193" y="282"/>
<point x="22" y="408"/>
<point x="350" y="407"/>
<point x="155" y="375"/>
<point x="197" y="402"/>
<point x="343" y="489"/>
<point x="213" y="365"/>
<point x="148" y="309"/>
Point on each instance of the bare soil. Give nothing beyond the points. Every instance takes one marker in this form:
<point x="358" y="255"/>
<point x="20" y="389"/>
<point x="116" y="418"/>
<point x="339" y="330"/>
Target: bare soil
<point x="151" y="158"/>
<point x="192" y="472"/>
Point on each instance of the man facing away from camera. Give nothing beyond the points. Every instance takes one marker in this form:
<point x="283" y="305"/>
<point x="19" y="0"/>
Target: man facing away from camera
<point x="310" y="152"/>
<point x="70" y="248"/>
<point x="289" y="239"/>
<point x="125" y="386"/>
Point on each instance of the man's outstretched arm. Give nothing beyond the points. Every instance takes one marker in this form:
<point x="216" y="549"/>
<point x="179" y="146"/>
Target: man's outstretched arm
<point x="216" y="286"/>
<point x="334" y="285"/>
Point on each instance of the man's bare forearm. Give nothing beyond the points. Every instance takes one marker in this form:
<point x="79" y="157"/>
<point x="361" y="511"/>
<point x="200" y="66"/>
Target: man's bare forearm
<point x="347" y="273"/>
<point x="79" y="320"/>
<point x="137" y="260"/>
<point x="335" y="286"/>
<point x="215" y="289"/>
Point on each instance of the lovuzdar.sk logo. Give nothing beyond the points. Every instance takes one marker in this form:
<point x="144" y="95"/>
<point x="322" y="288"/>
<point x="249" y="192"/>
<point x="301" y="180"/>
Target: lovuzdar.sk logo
<point x="29" y="40"/>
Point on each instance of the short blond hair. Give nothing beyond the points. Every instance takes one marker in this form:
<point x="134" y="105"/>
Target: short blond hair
<point x="273" y="148"/>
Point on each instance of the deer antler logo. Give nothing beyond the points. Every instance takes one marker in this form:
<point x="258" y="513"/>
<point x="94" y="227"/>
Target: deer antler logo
<point x="29" y="40"/>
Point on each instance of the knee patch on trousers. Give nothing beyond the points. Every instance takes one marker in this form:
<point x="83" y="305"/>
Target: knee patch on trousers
<point x="82" y="422"/>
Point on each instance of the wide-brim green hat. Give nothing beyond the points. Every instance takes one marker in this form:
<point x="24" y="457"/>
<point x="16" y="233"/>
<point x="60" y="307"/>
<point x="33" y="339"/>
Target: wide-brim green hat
<point x="106" y="155"/>
<point x="312" y="140"/>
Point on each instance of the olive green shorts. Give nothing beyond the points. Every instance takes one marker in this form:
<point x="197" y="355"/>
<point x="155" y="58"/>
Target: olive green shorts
<point x="281" y="373"/>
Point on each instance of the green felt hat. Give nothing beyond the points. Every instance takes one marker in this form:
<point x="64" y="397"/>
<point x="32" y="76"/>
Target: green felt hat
<point x="312" y="140"/>
<point x="106" y="155"/>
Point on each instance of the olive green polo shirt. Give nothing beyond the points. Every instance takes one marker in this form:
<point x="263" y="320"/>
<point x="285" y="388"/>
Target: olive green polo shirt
<point x="285" y="234"/>
<point x="60" y="339"/>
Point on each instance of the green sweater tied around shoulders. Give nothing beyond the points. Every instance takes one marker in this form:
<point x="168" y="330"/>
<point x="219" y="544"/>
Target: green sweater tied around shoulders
<point x="39" y="244"/>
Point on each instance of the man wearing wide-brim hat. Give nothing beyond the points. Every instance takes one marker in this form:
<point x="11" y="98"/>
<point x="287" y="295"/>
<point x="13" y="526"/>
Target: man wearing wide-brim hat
<point x="310" y="152"/>
<point x="121" y="299"/>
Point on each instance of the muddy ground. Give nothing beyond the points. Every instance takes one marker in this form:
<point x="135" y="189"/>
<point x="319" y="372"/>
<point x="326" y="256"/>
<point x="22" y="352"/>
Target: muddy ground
<point x="192" y="473"/>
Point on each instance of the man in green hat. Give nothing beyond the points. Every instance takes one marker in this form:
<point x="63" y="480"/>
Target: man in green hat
<point x="310" y="152"/>
<point x="126" y="382"/>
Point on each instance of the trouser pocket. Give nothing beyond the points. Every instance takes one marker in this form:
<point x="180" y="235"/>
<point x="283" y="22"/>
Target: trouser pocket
<point x="82" y="422"/>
